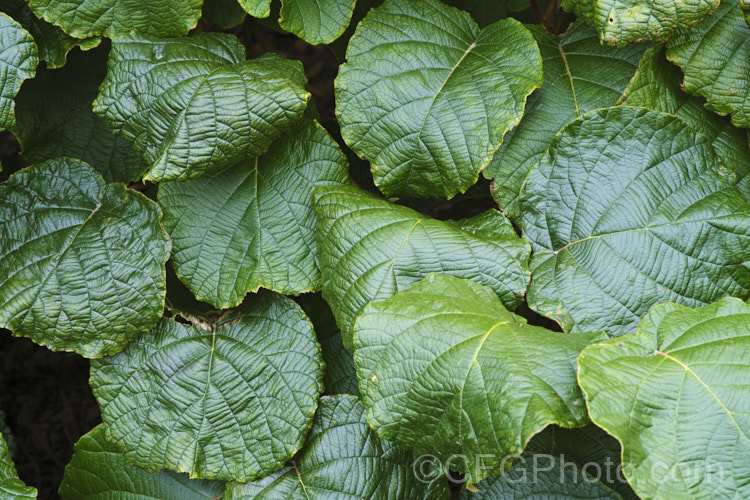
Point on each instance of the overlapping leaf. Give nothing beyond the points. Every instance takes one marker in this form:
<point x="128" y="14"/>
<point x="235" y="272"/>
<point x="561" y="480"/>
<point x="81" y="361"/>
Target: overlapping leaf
<point x="190" y="104"/>
<point x="54" y="118"/>
<point x="656" y="85"/>
<point x="224" y="13"/>
<point x="81" y="261"/>
<point x="622" y="21"/>
<point x="111" y="18"/>
<point x="715" y="56"/>
<point x="18" y="60"/>
<point x="445" y="369"/>
<point x="427" y="96"/>
<point x="343" y="458"/>
<point x="98" y="471"/>
<point x="10" y="485"/>
<point x="627" y="209"/>
<point x="316" y="21"/>
<point x="579" y="75"/>
<point x="370" y="248"/>
<point x="230" y="399"/>
<point x="677" y="395"/>
<point x="252" y="225"/>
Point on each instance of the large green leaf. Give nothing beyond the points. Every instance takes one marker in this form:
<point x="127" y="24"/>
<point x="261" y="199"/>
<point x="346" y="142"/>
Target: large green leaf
<point x="343" y="459"/>
<point x="18" y="60"/>
<point x="627" y="209"/>
<point x="252" y="225"/>
<point x="98" y="471"/>
<point x="81" y="261"/>
<point x="715" y="56"/>
<point x="622" y="21"/>
<point x="677" y="395"/>
<point x="53" y="43"/>
<point x="427" y="96"/>
<point x="656" y="85"/>
<point x="230" y="398"/>
<point x="579" y="75"/>
<point x="11" y="487"/>
<point x="370" y="248"/>
<point x="54" y="118"/>
<point x="111" y="18"/>
<point x="194" y="103"/>
<point x="316" y="21"/>
<point x="445" y="369"/>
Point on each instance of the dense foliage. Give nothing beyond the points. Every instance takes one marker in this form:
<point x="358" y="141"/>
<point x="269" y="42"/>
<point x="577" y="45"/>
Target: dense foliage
<point x="356" y="310"/>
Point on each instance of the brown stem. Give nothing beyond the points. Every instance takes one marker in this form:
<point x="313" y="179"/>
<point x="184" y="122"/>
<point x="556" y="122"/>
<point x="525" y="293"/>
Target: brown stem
<point x="538" y="16"/>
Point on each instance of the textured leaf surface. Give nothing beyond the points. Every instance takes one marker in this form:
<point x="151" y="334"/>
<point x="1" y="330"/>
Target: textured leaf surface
<point x="10" y="486"/>
<point x="677" y="395"/>
<point x="194" y="103"/>
<point x="715" y="56"/>
<point x="622" y="21"/>
<point x="580" y="74"/>
<point x="98" y="471"/>
<point x="343" y="459"/>
<point x="252" y="225"/>
<point x="81" y="261"/>
<point x="628" y="209"/>
<point x="111" y="18"/>
<point x="257" y="8"/>
<point x="53" y="43"/>
<point x="316" y="21"/>
<point x="370" y="248"/>
<point x="427" y="96"/>
<point x="54" y="118"/>
<point x="18" y="60"/>
<point x="656" y="85"/>
<point x="444" y="368"/>
<point x="232" y="399"/>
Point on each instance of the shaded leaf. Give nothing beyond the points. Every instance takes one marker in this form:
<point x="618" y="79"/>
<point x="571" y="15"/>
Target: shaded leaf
<point x="224" y="13"/>
<point x="627" y="209"/>
<point x="427" y="96"/>
<point x="81" y="261"/>
<point x="18" y="60"/>
<point x="11" y="486"/>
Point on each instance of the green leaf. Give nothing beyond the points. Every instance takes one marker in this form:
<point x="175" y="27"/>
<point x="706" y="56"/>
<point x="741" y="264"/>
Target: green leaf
<point x="340" y="375"/>
<point x="54" y="118"/>
<point x="18" y="60"/>
<point x="98" y="471"/>
<point x="370" y="248"/>
<point x="230" y="398"/>
<point x="252" y="225"/>
<point x="81" y="261"/>
<point x="445" y="369"/>
<point x="745" y="6"/>
<point x="656" y="85"/>
<point x="343" y="458"/>
<point x="224" y="13"/>
<point x="484" y="12"/>
<point x="622" y="21"/>
<point x="11" y="487"/>
<point x="715" y="56"/>
<point x="257" y="8"/>
<point x="53" y="43"/>
<point x="427" y="96"/>
<point x="627" y="209"/>
<point x="579" y="75"/>
<point x="111" y="18"/>
<point x="192" y="104"/>
<point x="676" y="396"/>
<point x="316" y="21"/>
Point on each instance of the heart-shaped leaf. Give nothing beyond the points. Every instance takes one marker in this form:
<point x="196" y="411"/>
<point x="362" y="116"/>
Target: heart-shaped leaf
<point x="98" y="471"/>
<point x="10" y="485"/>
<point x="677" y="395"/>
<point x="18" y="60"/>
<point x="580" y="74"/>
<point x="193" y="103"/>
<point x="715" y="56"/>
<point x="445" y="369"/>
<point x="111" y="18"/>
<point x="81" y="261"/>
<point x="622" y="21"/>
<point x="228" y="399"/>
<point x="427" y="96"/>
<point x="252" y="225"/>
<point x="370" y="248"/>
<point x="343" y="458"/>
<point x="627" y="209"/>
